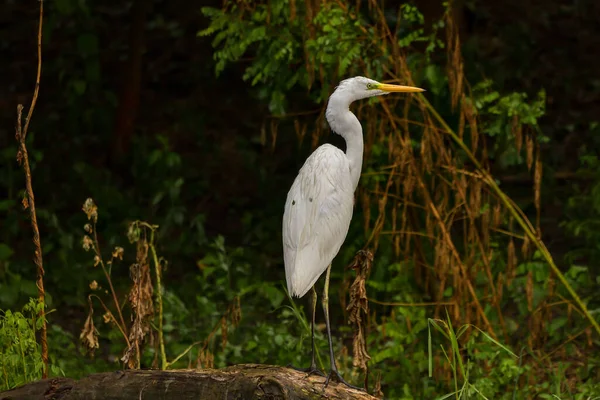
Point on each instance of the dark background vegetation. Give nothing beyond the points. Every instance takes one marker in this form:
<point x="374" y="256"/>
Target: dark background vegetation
<point x="131" y="114"/>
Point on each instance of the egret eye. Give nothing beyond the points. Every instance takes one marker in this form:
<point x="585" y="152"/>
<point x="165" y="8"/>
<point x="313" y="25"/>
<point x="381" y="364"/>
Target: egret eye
<point x="370" y="86"/>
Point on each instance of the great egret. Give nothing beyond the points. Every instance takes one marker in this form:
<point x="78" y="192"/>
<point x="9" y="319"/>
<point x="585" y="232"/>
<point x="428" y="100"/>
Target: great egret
<point x="318" y="209"/>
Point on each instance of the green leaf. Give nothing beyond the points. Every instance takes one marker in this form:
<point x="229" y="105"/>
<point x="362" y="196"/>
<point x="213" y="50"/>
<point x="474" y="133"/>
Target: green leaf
<point x="92" y="71"/>
<point x="79" y="86"/>
<point x="274" y="295"/>
<point x="65" y="7"/>
<point x="7" y="204"/>
<point x="557" y="323"/>
<point x="5" y="252"/>
<point x="87" y="44"/>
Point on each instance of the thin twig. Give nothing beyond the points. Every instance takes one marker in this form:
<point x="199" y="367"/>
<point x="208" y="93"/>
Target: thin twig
<point x="183" y="353"/>
<point x="219" y="325"/>
<point x="23" y="158"/>
<point x="161" y="339"/>
<point x="111" y="316"/>
<point x="39" y="72"/>
<point x="507" y="233"/>
<point x="112" y="289"/>
<point x="423" y="304"/>
<point x="562" y="345"/>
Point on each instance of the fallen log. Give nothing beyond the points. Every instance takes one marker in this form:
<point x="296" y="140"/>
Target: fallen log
<point x="244" y="382"/>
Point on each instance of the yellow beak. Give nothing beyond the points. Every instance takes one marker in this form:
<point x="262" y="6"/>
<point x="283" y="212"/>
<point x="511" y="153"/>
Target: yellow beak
<point x="397" y="88"/>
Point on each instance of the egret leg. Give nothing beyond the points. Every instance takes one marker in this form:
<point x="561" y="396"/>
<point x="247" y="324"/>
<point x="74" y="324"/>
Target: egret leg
<point x="334" y="374"/>
<point x="313" y="365"/>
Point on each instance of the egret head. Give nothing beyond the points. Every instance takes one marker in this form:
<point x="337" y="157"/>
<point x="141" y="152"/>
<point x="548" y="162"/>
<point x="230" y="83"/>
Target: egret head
<point x="359" y="87"/>
<point x="338" y="115"/>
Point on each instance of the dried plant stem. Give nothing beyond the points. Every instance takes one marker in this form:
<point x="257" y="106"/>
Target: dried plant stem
<point x="30" y="202"/>
<point x="562" y="345"/>
<point x="110" y="314"/>
<point x="486" y="262"/>
<point x="454" y="252"/>
<point x="204" y="342"/>
<point x="219" y="325"/>
<point x="23" y="158"/>
<point x="112" y="289"/>
<point x="39" y="71"/>
<point x="183" y="353"/>
<point x="445" y="234"/>
<point x="516" y="212"/>
<point x="423" y="304"/>
<point x="161" y="339"/>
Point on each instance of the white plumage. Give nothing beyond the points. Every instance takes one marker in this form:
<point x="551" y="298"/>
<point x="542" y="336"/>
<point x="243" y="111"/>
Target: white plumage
<point x="317" y="216"/>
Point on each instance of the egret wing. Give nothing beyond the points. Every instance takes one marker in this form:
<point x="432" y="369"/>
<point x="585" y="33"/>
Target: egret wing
<point x="317" y="216"/>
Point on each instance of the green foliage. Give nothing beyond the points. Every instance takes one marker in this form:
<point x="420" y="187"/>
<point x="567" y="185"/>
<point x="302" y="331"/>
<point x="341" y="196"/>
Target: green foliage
<point x="276" y="39"/>
<point x="286" y="55"/>
<point x="503" y="117"/>
<point x="584" y="213"/>
<point x="471" y="378"/>
<point x="412" y="31"/>
<point x="20" y="354"/>
<point x="581" y="222"/>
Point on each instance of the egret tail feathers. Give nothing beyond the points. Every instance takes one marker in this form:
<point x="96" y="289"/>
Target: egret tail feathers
<point x="305" y="273"/>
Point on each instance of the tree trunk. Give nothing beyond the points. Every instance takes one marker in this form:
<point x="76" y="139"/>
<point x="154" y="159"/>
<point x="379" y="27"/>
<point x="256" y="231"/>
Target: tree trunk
<point x="244" y="382"/>
<point x="129" y="100"/>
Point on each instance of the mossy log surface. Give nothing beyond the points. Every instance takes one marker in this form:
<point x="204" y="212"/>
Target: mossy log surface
<point x="243" y="382"/>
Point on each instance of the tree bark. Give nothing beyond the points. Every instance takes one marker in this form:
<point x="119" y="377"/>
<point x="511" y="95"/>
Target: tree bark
<point x="246" y="381"/>
<point x="129" y="100"/>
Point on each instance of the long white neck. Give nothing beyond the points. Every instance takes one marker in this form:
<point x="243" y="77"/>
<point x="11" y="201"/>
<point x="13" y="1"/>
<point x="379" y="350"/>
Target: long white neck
<point x="343" y="122"/>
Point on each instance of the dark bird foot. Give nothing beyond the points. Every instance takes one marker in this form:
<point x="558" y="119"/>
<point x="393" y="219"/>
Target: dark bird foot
<point x="335" y="376"/>
<point x="312" y="370"/>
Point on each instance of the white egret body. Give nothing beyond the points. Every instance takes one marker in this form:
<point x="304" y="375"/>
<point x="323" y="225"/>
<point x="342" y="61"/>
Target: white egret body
<point x="317" y="216"/>
<point x="319" y="205"/>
